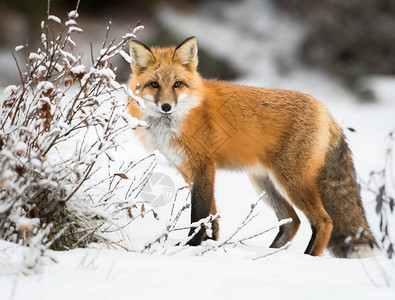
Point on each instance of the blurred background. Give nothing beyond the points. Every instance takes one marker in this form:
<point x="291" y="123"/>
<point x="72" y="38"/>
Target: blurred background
<point x="250" y="41"/>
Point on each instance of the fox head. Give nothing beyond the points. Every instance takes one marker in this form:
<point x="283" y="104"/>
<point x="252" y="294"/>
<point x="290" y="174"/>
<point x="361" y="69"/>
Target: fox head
<point x="166" y="78"/>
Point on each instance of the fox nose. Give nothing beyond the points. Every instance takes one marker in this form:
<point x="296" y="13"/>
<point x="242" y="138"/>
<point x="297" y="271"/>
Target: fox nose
<point x="166" y="107"/>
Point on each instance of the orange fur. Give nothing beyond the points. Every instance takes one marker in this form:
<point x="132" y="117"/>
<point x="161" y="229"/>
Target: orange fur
<point x="281" y="138"/>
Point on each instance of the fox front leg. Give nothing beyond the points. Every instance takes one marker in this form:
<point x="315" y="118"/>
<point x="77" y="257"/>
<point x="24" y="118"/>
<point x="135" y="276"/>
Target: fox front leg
<point x="203" y="203"/>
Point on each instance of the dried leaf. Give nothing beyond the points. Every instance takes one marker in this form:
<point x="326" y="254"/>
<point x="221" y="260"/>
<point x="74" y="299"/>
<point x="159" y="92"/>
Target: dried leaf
<point x="142" y="210"/>
<point x="122" y="175"/>
<point x="1" y="142"/>
<point x="130" y="214"/>
<point x="20" y="170"/>
<point x="45" y="113"/>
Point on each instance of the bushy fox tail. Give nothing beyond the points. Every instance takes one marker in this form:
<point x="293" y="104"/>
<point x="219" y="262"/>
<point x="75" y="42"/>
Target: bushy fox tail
<point x="351" y="235"/>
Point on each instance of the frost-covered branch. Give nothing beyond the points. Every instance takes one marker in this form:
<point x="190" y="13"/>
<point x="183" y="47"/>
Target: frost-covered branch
<point x="231" y="241"/>
<point x="159" y="243"/>
<point x="382" y="184"/>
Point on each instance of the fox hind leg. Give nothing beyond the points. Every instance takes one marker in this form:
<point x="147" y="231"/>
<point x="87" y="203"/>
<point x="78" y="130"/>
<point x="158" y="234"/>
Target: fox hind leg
<point x="281" y="208"/>
<point x="304" y="195"/>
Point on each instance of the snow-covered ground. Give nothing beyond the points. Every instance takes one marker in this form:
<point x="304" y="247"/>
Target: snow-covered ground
<point x="109" y="274"/>
<point x="254" y="37"/>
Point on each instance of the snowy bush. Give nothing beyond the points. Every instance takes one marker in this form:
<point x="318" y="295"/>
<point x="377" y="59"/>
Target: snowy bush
<point x="55" y="126"/>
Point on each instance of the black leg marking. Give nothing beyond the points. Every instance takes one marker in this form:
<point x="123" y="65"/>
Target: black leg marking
<point x="312" y="240"/>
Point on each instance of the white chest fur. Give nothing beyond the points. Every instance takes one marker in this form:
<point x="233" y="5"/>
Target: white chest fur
<point x="163" y="129"/>
<point x="160" y="134"/>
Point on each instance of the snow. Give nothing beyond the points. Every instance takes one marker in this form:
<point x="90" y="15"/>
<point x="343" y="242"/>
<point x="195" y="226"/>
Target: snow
<point x="9" y="90"/>
<point x="138" y="29"/>
<point x="85" y="78"/>
<point x="21" y="148"/>
<point x="44" y="86"/>
<point x="161" y="158"/>
<point x="68" y="55"/>
<point x="80" y="69"/>
<point x="133" y="122"/>
<point x="70" y="22"/>
<point x="105" y="51"/>
<point x="73" y="14"/>
<point x="140" y="101"/>
<point x="103" y="274"/>
<point x="125" y="56"/>
<point x="35" y="56"/>
<point x="18" y="48"/>
<point x="55" y="19"/>
<point x="129" y="35"/>
<point x="7" y="174"/>
<point x="28" y="222"/>
<point x="43" y="39"/>
<point x="246" y="271"/>
<point x="41" y="69"/>
<point x="74" y="28"/>
<point x="35" y="162"/>
<point x="69" y="40"/>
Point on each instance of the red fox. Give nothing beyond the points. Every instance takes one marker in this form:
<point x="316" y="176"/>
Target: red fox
<point x="286" y="141"/>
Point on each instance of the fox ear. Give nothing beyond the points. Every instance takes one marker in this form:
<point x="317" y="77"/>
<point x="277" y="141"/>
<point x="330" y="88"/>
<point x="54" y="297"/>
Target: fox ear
<point x="141" y="55"/>
<point x="186" y="53"/>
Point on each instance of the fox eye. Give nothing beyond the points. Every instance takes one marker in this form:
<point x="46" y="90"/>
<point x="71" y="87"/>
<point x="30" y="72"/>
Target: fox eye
<point x="154" y="84"/>
<point x="177" y="84"/>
